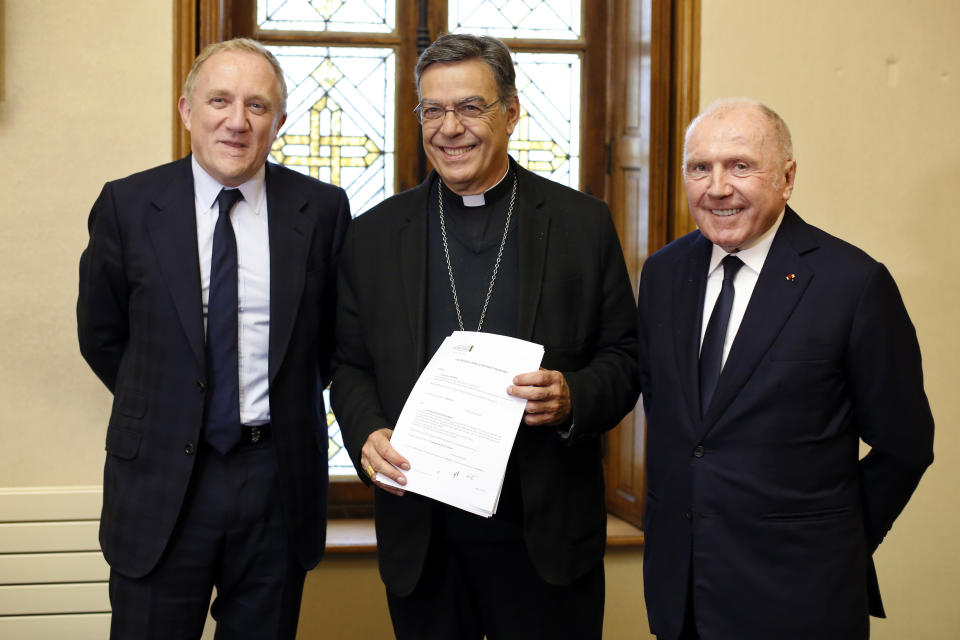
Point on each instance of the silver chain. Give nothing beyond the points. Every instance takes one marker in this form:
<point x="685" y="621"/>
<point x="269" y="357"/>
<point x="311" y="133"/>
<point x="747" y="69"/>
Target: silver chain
<point x="496" y="265"/>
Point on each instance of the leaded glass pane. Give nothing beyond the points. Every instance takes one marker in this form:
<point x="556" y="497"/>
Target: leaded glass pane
<point x="338" y="460"/>
<point x="544" y="19"/>
<point x="340" y="119"/>
<point x="547" y="137"/>
<point x="376" y="16"/>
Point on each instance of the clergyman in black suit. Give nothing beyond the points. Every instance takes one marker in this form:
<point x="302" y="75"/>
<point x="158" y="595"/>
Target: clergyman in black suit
<point x="527" y="258"/>
<point x="206" y="306"/>
<point x="768" y="351"/>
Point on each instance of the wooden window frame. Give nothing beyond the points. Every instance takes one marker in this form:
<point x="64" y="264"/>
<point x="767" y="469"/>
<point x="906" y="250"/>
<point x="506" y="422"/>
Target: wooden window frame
<point x="646" y="193"/>
<point x="647" y="215"/>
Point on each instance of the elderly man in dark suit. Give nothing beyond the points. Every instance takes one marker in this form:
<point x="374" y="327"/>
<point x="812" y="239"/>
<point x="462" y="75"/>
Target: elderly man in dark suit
<point x="206" y="307"/>
<point x="483" y="244"/>
<point x="768" y="351"/>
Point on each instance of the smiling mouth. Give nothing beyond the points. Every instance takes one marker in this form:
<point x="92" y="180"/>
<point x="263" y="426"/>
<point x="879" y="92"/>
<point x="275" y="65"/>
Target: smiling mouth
<point x="725" y="212"/>
<point x="456" y="151"/>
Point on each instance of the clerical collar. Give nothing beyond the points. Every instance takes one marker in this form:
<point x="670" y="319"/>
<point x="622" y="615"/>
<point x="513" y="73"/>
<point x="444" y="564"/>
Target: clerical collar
<point x="480" y="199"/>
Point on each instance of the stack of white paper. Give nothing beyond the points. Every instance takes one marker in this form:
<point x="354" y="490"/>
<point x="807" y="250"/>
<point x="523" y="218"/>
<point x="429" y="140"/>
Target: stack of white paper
<point x="458" y="425"/>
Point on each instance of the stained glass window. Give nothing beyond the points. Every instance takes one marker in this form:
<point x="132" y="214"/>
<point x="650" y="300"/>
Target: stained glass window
<point x="541" y="19"/>
<point x="547" y="137"/>
<point x="377" y="16"/>
<point x="340" y="119"/>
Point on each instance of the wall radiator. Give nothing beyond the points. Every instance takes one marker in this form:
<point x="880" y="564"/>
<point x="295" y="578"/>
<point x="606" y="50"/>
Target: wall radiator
<point x="53" y="580"/>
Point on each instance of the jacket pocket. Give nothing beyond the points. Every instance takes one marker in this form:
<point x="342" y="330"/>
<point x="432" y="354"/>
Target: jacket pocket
<point x="122" y="442"/>
<point x="130" y="403"/>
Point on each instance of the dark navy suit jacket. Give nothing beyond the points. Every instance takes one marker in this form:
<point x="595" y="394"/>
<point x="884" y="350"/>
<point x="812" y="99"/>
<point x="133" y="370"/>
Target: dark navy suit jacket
<point x="140" y="326"/>
<point x="765" y="495"/>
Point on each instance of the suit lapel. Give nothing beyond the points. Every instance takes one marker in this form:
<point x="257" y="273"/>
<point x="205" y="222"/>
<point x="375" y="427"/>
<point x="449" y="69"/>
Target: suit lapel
<point x="173" y="233"/>
<point x="690" y="280"/>
<point x="290" y="233"/>
<point x="774" y="299"/>
<point x="412" y="261"/>
<point x="533" y="226"/>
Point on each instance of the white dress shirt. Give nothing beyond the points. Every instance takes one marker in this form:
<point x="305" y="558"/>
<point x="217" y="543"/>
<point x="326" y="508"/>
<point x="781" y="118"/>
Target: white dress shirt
<point x="743" y="283"/>
<point x="249" y="220"/>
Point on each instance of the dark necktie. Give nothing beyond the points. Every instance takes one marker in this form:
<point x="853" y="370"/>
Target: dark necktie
<point x="223" y="408"/>
<point x="711" y="351"/>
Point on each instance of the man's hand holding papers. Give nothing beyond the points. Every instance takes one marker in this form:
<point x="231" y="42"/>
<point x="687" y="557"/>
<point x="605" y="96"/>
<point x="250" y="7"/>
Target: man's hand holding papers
<point x="547" y="395"/>
<point x="379" y="456"/>
<point x="458" y="425"/>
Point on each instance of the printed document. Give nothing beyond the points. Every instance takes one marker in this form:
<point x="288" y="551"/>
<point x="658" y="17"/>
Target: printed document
<point x="458" y="425"/>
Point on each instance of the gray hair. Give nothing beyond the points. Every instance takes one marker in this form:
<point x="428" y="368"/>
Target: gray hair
<point x="237" y="44"/>
<point x="781" y="132"/>
<point x="457" y="47"/>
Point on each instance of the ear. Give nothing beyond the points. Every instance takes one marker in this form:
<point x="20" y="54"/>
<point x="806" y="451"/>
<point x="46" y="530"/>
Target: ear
<point x="790" y="174"/>
<point x="278" y="124"/>
<point x="513" y="115"/>
<point x="183" y="106"/>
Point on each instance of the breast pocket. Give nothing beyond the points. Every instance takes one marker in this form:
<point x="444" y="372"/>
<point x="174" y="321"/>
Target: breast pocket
<point x="802" y="351"/>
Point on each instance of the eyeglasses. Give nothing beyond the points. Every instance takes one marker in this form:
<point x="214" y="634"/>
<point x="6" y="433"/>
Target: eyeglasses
<point x="464" y="111"/>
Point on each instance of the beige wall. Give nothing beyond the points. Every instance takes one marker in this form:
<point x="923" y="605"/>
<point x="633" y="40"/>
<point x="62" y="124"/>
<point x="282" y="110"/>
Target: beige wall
<point x="871" y="91"/>
<point x="87" y="99"/>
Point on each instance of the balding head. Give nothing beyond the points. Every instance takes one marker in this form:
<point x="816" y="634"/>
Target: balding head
<point x="778" y="128"/>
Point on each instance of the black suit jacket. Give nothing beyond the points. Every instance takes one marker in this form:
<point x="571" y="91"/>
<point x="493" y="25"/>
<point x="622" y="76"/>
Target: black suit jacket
<point x="765" y="494"/>
<point x="575" y="300"/>
<point x="140" y="326"/>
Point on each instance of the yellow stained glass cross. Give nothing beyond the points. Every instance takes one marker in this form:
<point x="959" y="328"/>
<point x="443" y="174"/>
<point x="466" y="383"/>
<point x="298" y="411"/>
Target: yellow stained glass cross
<point x="326" y="150"/>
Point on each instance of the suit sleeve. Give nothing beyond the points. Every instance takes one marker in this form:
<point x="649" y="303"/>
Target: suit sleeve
<point x="606" y="389"/>
<point x="336" y="236"/>
<point x="643" y="358"/>
<point x="891" y="408"/>
<point x="354" y="391"/>
<point x="102" y="323"/>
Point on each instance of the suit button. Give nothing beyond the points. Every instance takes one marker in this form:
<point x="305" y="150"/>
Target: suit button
<point x="698" y="451"/>
<point x="200" y="386"/>
<point x="189" y="449"/>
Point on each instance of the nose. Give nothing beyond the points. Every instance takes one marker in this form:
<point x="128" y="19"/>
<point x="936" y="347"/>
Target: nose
<point x="450" y="124"/>
<point x="719" y="186"/>
<point x="237" y="116"/>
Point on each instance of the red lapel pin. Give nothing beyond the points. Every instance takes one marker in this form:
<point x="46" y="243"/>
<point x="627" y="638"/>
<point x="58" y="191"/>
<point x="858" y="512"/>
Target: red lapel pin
<point x="791" y="277"/>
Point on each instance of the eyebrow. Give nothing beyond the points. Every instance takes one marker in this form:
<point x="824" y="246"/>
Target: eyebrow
<point x="260" y="98"/>
<point x="257" y="97"/>
<point x="460" y="101"/>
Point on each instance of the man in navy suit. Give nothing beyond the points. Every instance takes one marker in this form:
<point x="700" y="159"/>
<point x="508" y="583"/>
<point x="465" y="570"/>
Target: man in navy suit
<point x="768" y="351"/>
<point x="206" y="306"/>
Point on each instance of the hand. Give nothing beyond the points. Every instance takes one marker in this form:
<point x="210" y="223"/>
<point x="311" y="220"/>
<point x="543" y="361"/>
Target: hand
<point x="377" y="455"/>
<point x="547" y="395"/>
